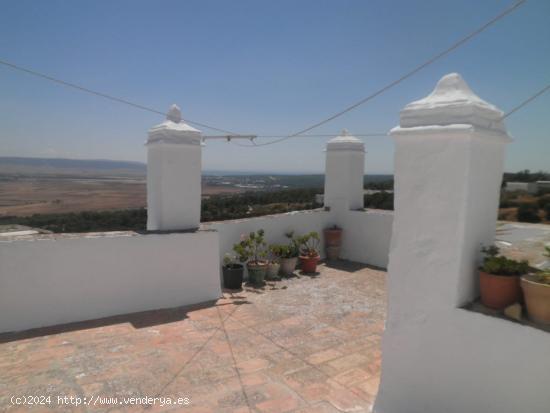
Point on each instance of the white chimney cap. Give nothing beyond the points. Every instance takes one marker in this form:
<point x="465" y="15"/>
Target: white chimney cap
<point x="345" y="141"/>
<point x="174" y="131"/>
<point x="452" y="102"/>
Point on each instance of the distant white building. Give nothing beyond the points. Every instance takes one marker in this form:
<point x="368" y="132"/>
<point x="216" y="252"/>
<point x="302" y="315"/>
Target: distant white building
<point x="529" y="187"/>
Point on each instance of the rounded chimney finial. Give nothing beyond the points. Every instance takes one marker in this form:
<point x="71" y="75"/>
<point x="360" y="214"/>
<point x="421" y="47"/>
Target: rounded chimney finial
<point x="174" y="114"/>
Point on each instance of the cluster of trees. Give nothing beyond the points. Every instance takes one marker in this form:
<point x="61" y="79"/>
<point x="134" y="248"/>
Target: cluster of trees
<point x="526" y="176"/>
<point x="529" y="208"/>
<point x="89" y="221"/>
<point x="380" y="185"/>
<point x="215" y="208"/>
<point x="250" y="204"/>
<point x="379" y="200"/>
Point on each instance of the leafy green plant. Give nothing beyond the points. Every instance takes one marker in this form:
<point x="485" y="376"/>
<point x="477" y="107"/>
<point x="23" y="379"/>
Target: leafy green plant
<point x="292" y="249"/>
<point x="543" y="277"/>
<point x="252" y="247"/>
<point x="230" y="261"/>
<point x="276" y="252"/>
<point x="309" y="244"/>
<point x="496" y="264"/>
<point x="241" y="251"/>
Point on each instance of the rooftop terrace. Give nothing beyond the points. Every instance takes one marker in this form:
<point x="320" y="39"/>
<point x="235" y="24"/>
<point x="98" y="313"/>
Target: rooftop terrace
<point x="304" y="344"/>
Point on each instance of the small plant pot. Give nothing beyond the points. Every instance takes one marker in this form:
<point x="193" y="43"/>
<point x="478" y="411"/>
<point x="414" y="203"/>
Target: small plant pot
<point x="309" y="264"/>
<point x="288" y="265"/>
<point x="233" y="276"/>
<point x="499" y="291"/>
<point x="537" y="299"/>
<point x="333" y="237"/>
<point x="273" y="271"/>
<point x="256" y="272"/>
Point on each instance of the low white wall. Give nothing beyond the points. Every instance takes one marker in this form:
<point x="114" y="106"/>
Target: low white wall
<point x="367" y="236"/>
<point x="275" y="227"/>
<point x="49" y="280"/>
<point x="460" y="361"/>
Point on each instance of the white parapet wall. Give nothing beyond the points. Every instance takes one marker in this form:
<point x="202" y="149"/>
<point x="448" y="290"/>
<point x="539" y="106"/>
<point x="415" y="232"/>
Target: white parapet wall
<point x="275" y="227"/>
<point x="52" y="279"/>
<point x="367" y="236"/>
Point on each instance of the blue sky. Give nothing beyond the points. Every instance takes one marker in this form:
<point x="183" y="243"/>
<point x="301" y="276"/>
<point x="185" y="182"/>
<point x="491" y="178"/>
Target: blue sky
<point x="263" y="67"/>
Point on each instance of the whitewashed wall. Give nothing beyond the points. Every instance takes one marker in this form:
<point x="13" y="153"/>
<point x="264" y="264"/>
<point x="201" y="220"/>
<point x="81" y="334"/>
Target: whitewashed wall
<point x="456" y="361"/>
<point x="367" y="236"/>
<point x="59" y="279"/>
<point x="437" y="357"/>
<point x="275" y="227"/>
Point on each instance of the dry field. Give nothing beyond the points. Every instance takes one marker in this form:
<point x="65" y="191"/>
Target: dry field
<point x="27" y="196"/>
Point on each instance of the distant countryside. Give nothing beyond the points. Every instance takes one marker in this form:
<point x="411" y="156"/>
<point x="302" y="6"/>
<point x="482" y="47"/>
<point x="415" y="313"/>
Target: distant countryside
<point x="62" y="195"/>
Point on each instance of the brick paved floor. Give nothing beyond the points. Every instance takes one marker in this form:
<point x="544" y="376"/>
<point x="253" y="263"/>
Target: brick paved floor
<point x="305" y="344"/>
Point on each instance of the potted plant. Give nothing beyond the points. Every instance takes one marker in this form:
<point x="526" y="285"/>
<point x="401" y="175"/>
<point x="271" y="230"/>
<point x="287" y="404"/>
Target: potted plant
<point x="536" y="288"/>
<point x="499" y="279"/>
<point x="289" y="254"/>
<point x="333" y="241"/>
<point x="273" y="264"/>
<point x="232" y="272"/>
<point x="253" y="247"/>
<point x="309" y="252"/>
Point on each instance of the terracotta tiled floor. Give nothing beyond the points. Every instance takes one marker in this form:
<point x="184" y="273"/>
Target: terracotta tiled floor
<point x="305" y="344"/>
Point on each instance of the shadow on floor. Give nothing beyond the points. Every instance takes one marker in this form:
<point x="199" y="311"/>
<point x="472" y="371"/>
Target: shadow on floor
<point x="138" y="320"/>
<point x="350" y="266"/>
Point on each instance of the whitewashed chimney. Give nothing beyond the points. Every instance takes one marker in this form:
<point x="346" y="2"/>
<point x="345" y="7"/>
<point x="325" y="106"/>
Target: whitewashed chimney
<point x="449" y="155"/>
<point x="344" y="171"/>
<point x="173" y="175"/>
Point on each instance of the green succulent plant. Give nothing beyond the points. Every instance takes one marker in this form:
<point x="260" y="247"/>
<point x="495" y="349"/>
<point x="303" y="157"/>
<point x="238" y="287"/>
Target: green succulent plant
<point x="309" y="244"/>
<point x="496" y="264"/>
<point x="252" y="247"/>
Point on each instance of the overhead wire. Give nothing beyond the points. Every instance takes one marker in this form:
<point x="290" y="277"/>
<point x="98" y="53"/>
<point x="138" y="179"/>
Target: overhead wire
<point x="527" y="101"/>
<point x="302" y="132"/>
<point x="407" y="75"/>
<point x="521" y="105"/>
<point x="103" y="95"/>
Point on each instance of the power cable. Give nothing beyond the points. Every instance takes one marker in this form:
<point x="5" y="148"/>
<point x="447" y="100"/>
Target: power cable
<point x="510" y="112"/>
<point x="527" y="101"/>
<point x="322" y="122"/>
<point x="412" y="72"/>
<point x="103" y="95"/>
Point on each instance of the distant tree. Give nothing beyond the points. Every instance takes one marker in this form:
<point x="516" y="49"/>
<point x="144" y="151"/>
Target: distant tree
<point x="379" y="200"/>
<point x="528" y="212"/>
<point x="95" y="221"/>
<point x="526" y="176"/>
<point x="381" y="185"/>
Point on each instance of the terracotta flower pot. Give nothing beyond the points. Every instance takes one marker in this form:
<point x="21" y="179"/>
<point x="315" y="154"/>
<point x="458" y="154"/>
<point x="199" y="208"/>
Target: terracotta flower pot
<point x="309" y="264"/>
<point x="537" y="299"/>
<point x="288" y="265"/>
<point x="499" y="291"/>
<point x="333" y="237"/>
<point x="256" y="272"/>
<point x="333" y="253"/>
<point x="233" y="276"/>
